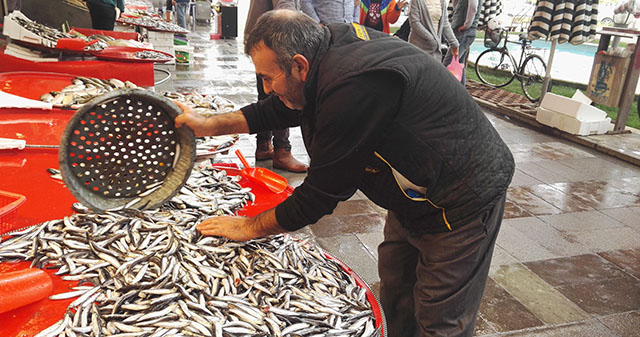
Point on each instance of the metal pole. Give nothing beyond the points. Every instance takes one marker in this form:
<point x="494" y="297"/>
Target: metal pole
<point x="547" y="77"/>
<point x="5" y="10"/>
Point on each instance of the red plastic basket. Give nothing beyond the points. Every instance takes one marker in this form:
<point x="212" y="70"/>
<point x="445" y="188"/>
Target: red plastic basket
<point x="9" y="203"/>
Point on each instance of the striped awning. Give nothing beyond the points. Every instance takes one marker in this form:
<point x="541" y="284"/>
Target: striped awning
<point x="572" y="21"/>
<point x="489" y="9"/>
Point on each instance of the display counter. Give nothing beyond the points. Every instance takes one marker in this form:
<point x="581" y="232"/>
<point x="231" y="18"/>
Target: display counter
<point x="140" y="73"/>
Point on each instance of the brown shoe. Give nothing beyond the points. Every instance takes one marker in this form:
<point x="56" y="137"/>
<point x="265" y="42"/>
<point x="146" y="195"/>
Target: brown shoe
<point x="264" y="151"/>
<point x="282" y="159"/>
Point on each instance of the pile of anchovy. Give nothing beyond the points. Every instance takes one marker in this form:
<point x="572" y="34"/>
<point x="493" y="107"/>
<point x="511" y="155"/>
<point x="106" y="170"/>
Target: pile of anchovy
<point x="150" y="273"/>
<point x="84" y="89"/>
<point x="153" y="23"/>
<point x="205" y="105"/>
<point x="49" y="35"/>
<point x="152" y="55"/>
<point x="210" y="191"/>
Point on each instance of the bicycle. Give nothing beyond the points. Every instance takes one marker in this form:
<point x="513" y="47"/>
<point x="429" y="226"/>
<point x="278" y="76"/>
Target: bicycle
<point x="497" y="67"/>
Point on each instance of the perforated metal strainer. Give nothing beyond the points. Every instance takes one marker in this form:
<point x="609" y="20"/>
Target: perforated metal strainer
<point x="123" y="150"/>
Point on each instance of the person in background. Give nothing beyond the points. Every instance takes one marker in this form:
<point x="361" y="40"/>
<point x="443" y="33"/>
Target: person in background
<point x="464" y="24"/>
<point x="429" y="22"/>
<point x="328" y="11"/>
<point x="13" y="5"/>
<point x="104" y="13"/>
<point x="157" y="6"/>
<point x="182" y="7"/>
<point x="398" y="127"/>
<point x="379" y="14"/>
<point x="169" y="10"/>
<point x="356" y="11"/>
<point x="273" y="144"/>
<point x="404" y="30"/>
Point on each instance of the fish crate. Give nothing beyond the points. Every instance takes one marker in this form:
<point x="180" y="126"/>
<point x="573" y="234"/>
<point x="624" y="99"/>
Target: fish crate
<point x="9" y="203"/>
<point x="15" y="31"/>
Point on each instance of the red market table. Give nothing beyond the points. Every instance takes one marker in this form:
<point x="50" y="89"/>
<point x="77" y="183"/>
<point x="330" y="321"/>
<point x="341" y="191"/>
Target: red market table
<point x="140" y="73"/>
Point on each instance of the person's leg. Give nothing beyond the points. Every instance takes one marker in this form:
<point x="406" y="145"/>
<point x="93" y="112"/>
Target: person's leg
<point x="465" y="40"/>
<point x="181" y="12"/>
<point x="451" y="275"/>
<point x="397" y="260"/>
<point x="282" y="157"/>
<point x="264" y="147"/>
<point x="280" y="149"/>
<point x="169" y="10"/>
<point x="102" y="16"/>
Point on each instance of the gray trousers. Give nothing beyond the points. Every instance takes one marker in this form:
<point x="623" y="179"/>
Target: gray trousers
<point x="432" y="285"/>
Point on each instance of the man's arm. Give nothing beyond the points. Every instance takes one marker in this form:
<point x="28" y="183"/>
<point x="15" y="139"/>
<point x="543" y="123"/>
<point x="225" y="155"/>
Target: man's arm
<point x="216" y="125"/>
<point x="285" y="4"/>
<point x="306" y="6"/>
<point x="472" y="9"/>
<point x="242" y="228"/>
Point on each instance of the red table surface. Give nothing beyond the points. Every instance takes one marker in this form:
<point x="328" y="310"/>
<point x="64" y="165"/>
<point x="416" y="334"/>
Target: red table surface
<point x="24" y="172"/>
<point x="140" y="73"/>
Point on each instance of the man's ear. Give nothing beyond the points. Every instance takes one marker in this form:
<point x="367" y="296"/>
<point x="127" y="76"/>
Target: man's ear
<point x="300" y="65"/>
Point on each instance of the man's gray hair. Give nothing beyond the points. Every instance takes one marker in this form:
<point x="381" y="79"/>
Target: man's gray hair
<point x="287" y="33"/>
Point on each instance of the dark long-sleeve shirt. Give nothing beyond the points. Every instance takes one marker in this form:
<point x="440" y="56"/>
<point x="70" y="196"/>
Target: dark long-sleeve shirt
<point x="382" y="116"/>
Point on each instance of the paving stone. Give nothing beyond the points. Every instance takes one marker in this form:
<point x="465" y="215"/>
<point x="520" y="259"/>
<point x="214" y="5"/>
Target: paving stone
<point x="539" y="297"/>
<point x="626" y="324"/>
<point x="588" y="328"/>
<point x="332" y="225"/>
<point x="351" y="251"/>
<point x="503" y="312"/>
<point x="581" y="221"/>
<point x="548" y="237"/>
<point x="575" y="270"/>
<point x="605" y="297"/>
<point x="522" y="197"/>
<point x="627" y="259"/>
<point x="519" y="245"/>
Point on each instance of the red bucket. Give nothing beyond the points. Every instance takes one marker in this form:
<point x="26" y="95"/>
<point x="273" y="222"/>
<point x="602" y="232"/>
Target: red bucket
<point x="9" y="203"/>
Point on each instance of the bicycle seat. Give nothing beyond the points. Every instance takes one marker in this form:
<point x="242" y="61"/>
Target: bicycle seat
<point x="524" y="38"/>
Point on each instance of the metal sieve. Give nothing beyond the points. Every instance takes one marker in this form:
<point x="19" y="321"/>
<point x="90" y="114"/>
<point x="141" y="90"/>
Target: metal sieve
<point x="122" y="150"/>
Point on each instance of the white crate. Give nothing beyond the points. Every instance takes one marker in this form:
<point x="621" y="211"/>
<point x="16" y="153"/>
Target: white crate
<point x="13" y="30"/>
<point x="120" y="27"/>
<point x="159" y="36"/>
<point x="169" y="50"/>
<point x="572" y="108"/>
<point x="572" y="125"/>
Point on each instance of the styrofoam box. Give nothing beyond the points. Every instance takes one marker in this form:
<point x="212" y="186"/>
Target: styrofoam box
<point x="573" y="108"/>
<point x="572" y="125"/>
<point x="169" y="50"/>
<point x="13" y="30"/>
<point x="156" y="35"/>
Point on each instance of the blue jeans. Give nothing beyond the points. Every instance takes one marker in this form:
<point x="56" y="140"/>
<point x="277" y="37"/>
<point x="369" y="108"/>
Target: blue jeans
<point x="465" y="39"/>
<point x="181" y="12"/>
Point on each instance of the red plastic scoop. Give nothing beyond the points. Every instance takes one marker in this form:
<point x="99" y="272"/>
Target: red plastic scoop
<point x="271" y="180"/>
<point x="22" y="287"/>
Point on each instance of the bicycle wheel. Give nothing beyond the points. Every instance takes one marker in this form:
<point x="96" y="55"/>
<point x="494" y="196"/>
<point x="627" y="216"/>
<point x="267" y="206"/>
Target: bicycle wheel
<point x="531" y="77"/>
<point x="495" y="67"/>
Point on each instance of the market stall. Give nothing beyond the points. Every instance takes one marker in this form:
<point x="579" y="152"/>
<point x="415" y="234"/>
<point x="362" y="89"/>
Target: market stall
<point x="178" y="295"/>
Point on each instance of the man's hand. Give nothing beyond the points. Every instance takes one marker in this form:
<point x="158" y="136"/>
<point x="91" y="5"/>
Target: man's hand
<point x="454" y="51"/>
<point x="233" y="227"/>
<point x="462" y="29"/>
<point x="241" y="228"/>
<point x="400" y="4"/>
<point x="192" y="119"/>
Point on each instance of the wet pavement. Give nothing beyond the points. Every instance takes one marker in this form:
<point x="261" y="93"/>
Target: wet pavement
<point x="567" y="259"/>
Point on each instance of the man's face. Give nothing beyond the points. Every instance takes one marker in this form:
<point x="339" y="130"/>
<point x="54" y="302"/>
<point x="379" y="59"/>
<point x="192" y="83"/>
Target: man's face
<point x="274" y="80"/>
